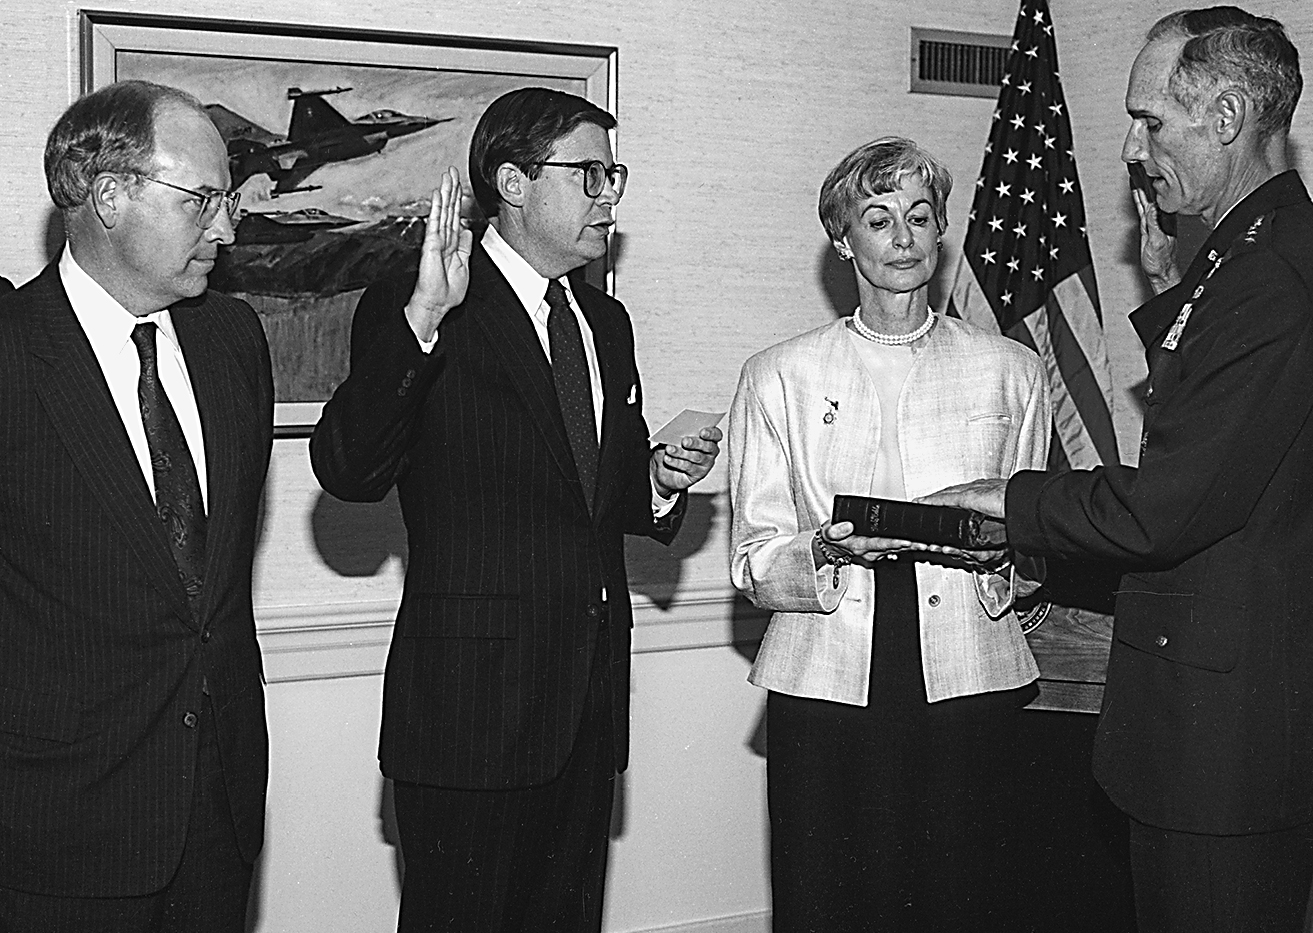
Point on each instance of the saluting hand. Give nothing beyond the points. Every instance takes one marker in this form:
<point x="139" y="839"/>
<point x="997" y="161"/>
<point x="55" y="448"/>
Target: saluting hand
<point x="444" y="262"/>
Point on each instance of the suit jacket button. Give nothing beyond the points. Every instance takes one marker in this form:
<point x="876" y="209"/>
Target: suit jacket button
<point x="934" y="600"/>
<point x="1161" y="641"/>
<point x="592" y="612"/>
<point x="205" y="636"/>
<point x="189" y="720"/>
<point x="401" y="391"/>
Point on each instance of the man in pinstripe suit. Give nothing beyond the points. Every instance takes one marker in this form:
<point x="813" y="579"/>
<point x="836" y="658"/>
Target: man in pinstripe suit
<point x="135" y="431"/>
<point x="481" y="390"/>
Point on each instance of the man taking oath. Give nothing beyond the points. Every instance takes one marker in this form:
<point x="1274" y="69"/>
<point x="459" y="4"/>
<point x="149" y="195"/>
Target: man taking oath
<point x="498" y="392"/>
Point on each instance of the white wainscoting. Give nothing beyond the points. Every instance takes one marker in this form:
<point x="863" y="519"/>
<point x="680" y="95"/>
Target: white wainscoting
<point x="689" y="848"/>
<point x="351" y="639"/>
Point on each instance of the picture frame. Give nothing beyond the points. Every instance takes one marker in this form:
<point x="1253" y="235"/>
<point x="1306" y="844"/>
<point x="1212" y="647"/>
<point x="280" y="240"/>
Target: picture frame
<point x="336" y="138"/>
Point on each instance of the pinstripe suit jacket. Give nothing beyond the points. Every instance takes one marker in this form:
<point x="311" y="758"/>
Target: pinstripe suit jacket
<point x="974" y="404"/>
<point x="498" y="625"/>
<point x="101" y="659"/>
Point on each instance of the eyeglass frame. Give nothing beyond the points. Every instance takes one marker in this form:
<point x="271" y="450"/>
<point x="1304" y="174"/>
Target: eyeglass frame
<point x="610" y="173"/>
<point x="228" y="200"/>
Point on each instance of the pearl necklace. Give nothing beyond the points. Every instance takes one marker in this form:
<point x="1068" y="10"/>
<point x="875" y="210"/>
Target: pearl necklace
<point x="891" y="340"/>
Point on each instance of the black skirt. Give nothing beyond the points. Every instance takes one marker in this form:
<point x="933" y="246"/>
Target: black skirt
<point x="896" y="816"/>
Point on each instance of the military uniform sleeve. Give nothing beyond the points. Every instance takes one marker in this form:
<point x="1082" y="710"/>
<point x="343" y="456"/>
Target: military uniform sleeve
<point x="1223" y="408"/>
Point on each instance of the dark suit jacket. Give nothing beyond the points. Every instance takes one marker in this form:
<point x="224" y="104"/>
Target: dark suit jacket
<point x="508" y="566"/>
<point x="1207" y="721"/>
<point x="101" y="660"/>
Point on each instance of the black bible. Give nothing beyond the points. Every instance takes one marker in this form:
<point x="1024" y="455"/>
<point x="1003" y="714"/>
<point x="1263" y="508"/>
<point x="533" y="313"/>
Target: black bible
<point x="925" y="524"/>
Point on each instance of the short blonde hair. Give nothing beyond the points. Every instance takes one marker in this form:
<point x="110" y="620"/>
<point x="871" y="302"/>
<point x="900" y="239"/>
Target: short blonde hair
<point x="879" y="167"/>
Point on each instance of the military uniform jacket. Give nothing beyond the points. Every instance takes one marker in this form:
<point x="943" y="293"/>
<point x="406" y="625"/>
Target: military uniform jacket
<point x="1207" y="722"/>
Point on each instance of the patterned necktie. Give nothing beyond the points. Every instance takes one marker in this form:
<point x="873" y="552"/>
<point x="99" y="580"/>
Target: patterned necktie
<point x="574" y="388"/>
<point x="178" y="499"/>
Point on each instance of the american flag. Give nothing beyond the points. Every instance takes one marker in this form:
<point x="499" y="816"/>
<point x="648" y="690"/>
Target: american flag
<point x="1026" y="269"/>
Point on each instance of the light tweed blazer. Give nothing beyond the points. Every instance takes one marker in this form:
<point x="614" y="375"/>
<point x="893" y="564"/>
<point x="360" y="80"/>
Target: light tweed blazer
<point x="973" y="405"/>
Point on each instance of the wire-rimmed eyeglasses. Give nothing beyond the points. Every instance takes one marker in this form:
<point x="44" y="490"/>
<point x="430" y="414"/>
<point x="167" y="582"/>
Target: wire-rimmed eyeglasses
<point x="210" y="201"/>
<point x="596" y="175"/>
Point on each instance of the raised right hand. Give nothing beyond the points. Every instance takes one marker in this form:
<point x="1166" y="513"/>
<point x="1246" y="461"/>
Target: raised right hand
<point x="1157" y="249"/>
<point x="444" y="263"/>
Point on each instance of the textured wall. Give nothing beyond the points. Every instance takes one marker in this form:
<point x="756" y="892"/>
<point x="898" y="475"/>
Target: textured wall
<point x="730" y="115"/>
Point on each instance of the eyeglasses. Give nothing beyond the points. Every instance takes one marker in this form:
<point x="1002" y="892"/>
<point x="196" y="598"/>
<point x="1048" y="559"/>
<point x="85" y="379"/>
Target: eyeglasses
<point x="211" y="201"/>
<point x="596" y="175"/>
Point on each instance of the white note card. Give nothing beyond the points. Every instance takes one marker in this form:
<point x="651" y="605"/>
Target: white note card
<point x="686" y="424"/>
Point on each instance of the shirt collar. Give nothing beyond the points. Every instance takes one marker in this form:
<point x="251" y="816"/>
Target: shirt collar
<point x="107" y="324"/>
<point x="528" y="285"/>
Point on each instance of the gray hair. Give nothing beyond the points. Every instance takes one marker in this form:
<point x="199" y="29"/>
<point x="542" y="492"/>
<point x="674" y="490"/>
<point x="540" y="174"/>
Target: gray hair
<point x="879" y="167"/>
<point x="1227" y="47"/>
<point x="109" y="130"/>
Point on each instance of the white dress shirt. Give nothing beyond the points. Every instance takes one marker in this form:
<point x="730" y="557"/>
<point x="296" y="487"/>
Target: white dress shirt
<point x="108" y="326"/>
<point x="531" y="289"/>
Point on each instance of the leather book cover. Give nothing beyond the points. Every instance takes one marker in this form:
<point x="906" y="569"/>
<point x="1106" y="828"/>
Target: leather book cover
<point x="926" y="524"/>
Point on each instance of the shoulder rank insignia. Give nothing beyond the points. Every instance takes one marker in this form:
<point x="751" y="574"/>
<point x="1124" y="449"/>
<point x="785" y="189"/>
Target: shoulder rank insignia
<point x="1258" y="234"/>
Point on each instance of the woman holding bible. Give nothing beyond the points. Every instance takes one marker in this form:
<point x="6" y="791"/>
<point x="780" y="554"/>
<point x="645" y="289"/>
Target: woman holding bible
<point x="895" y="674"/>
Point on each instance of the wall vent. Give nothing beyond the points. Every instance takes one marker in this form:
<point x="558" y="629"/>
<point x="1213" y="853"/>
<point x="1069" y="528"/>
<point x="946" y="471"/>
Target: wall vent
<point x="969" y="64"/>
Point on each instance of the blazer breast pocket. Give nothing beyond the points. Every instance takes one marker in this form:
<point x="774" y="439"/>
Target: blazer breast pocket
<point x="460" y="615"/>
<point x="990" y="443"/>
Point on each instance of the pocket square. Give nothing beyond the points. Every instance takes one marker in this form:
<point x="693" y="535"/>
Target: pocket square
<point x="633" y="394"/>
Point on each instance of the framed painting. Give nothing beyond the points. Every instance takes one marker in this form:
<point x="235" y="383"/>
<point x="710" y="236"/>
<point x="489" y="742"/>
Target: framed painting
<point x="335" y="140"/>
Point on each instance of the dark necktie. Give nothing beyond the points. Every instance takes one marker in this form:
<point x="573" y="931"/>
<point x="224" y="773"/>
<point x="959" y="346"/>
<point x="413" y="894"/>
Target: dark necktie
<point x="178" y="499"/>
<point x="574" y="388"/>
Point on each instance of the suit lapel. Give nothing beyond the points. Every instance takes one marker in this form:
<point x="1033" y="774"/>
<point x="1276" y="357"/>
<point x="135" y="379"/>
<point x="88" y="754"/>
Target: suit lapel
<point x="492" y="303"/>
<point x="212" y="383"/>
<point x="77" y="400"/>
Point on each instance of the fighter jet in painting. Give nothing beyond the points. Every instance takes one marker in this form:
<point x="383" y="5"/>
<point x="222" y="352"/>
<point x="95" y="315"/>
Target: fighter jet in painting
<point x="317" y="135"/>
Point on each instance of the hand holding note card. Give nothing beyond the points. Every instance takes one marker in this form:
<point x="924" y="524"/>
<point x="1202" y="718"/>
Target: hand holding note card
<point x="686" y="424"/>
